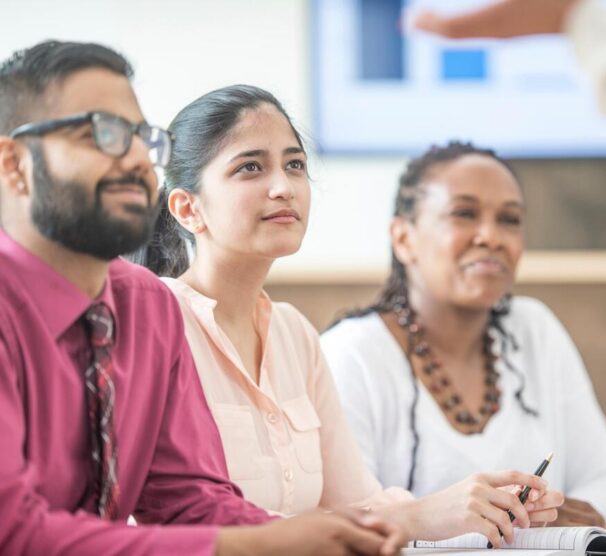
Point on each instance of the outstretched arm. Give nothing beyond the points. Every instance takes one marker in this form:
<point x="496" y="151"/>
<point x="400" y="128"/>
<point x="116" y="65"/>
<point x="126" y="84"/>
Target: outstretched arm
<point x="507" y="18"/>
<point x="584" y="21"/>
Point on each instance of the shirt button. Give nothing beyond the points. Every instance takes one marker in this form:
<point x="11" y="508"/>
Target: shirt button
<point x="272" y="418"/>
<point x="288" y="475"/>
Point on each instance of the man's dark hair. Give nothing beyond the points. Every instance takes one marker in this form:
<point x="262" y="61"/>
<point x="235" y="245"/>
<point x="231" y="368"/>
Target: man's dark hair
<point x="27" y="74"/>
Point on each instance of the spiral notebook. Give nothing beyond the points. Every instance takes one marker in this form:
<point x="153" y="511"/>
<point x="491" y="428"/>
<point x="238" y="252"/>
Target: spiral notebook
<point x="576" y="540"/>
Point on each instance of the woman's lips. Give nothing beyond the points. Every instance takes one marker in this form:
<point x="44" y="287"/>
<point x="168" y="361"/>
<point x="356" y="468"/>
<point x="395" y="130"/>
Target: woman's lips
<point x="281" y="219"/>
<point x="284" y="216"/>
<point x="486" y="266"/>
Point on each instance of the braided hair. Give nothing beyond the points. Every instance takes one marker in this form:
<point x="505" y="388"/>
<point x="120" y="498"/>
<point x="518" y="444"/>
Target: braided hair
<point x="394" y="292"/>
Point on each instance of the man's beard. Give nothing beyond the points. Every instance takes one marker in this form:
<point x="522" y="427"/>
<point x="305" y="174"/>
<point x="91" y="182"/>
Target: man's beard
<point x="65" y="212"/>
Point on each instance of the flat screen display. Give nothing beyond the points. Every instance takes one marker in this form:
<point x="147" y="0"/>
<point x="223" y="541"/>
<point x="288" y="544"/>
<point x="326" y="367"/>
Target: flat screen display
<point x="378" y="90"/>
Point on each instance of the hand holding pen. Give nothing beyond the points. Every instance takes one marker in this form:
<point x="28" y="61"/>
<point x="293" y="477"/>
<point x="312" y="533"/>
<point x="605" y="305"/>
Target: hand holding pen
<point x="523" y="496"/>
<point x="476" y="504"/>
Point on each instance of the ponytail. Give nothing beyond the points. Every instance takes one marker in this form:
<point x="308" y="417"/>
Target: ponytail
<point x="166" y="254"/>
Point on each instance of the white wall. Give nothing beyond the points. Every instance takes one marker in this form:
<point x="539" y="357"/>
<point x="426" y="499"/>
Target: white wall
<point x="183" y="48"/>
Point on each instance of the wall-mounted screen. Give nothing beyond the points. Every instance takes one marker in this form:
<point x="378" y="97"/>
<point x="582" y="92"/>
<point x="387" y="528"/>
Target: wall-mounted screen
<point x="378" y="90"/>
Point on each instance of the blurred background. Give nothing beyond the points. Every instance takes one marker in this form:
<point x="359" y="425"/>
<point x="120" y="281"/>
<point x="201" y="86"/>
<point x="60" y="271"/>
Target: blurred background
<point x="367" y="97"/>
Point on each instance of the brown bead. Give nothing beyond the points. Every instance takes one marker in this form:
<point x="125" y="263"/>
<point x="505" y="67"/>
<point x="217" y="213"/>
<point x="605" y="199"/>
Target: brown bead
<point x="491" y="397"/>
<point x="435" y="388"/>
<point x="421" y="349"/>
<point x="444" y="381"/>
<point x="428" y="368"/>
<point x="403" y="320"/>
<point x="462" y="417"/>
<point x="451" y="402"/>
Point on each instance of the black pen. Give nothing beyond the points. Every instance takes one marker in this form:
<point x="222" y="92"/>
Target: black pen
<point x="523" y="496"/>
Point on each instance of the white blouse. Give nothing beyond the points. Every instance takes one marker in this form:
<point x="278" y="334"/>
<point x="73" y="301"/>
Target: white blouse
<point x="374" y="381"/>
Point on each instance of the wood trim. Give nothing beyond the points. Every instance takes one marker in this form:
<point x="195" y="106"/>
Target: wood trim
<point x="536" y="267"/>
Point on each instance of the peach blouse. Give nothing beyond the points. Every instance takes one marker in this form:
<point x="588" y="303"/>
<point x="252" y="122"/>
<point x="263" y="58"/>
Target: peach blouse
<point x="286" y="440"/>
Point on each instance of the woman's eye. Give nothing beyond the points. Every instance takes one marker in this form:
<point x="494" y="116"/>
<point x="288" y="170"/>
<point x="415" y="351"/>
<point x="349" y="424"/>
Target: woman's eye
<point x="511" y="219"/>
<point x="249" y="167"/>
<point x="464" y="213"/>
<point x="296" y="165"/>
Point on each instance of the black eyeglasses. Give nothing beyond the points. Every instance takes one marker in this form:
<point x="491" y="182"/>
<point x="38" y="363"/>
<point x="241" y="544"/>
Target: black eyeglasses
<point x="113" y="134"/>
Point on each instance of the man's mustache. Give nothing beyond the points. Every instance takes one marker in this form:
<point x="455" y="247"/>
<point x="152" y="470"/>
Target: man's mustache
<point x="128" y="179"/>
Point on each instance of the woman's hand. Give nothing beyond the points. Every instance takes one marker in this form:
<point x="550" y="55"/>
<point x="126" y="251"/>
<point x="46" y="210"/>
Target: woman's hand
<point x="344" y="533"/>
<point x="394" y="535"/>
<point x="575" y="513"/>
<point x="476" y="504"/>
<point x="542" y="506"/>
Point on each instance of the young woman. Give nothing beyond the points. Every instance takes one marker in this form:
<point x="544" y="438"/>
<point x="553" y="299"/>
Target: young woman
<point x="446" y="373"/>
<point x="237" y="188"/>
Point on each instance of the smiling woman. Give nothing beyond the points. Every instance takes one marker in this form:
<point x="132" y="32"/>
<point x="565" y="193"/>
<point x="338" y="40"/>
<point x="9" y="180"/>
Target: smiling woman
<point x="447" y="374"/>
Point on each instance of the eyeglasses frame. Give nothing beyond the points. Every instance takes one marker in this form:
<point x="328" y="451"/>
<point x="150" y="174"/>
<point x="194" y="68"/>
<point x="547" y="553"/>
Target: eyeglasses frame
<point x="48" y="126"/>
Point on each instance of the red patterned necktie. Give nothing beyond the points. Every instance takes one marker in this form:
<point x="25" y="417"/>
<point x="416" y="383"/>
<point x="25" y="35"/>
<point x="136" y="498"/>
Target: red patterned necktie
<point x="100" y="399"/>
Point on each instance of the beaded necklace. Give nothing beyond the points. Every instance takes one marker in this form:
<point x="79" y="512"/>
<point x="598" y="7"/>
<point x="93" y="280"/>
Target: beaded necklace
<point x="437" y="379"/>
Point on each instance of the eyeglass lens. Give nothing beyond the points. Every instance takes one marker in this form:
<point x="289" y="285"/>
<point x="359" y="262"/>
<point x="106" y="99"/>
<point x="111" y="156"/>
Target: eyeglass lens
<point x="113" y="136"/>
<point x="158" y="142"/>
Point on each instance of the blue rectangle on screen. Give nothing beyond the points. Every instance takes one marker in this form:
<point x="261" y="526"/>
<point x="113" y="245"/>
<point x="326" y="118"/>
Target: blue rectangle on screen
<point x="467" y="65"/>
<point x="381" y="41"/>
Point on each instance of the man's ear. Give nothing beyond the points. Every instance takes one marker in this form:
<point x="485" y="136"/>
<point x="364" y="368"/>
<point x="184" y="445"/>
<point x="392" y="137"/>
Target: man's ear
<point x="13" y="166"/>
<point x="184" y="206"/>
<point x="402" y="234"/>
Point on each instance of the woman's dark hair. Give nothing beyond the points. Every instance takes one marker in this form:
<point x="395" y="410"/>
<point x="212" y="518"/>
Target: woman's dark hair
<point x="200" y="130"/>
<point x="395" y="290"/>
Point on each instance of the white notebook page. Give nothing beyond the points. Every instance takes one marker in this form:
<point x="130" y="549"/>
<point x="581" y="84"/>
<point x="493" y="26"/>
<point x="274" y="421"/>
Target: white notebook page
<point x="552" y="538"/>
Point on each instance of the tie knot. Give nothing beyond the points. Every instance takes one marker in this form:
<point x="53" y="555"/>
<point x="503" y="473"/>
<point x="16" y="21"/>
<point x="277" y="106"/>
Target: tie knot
<point x="101" y="322"/>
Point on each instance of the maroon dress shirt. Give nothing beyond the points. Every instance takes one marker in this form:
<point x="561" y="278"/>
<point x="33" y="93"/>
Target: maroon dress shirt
<point x="171" y="467"/>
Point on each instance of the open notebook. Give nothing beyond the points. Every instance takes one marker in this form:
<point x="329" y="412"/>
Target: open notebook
<point x="579" y="540"/>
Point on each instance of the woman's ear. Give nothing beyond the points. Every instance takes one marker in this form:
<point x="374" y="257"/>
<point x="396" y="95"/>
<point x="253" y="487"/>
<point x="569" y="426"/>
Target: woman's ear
<point x="13" y="166"/>
<point x="184" y="206"/>
<point x="402" y="234"/>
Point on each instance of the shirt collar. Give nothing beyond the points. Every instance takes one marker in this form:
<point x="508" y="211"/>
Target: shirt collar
<point x="58" y="300"/>
<point x="204" y="306"/>
<point x="194" y="297"/>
